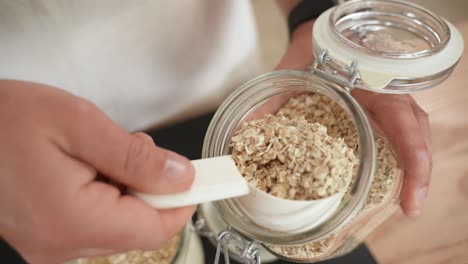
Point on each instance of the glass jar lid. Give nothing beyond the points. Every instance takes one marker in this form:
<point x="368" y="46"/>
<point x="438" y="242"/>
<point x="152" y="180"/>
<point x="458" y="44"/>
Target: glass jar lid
<point x="397" y="47"/>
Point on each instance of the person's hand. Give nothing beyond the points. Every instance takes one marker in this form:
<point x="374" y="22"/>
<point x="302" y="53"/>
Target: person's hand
<point x="53" y="207"/>
<point x="407" y="127"/>
<point x="399" y="116"/>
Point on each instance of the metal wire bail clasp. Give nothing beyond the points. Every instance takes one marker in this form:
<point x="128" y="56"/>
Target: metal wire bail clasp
<point x="223" y="242"/>
<point x="248" y="250"/>
<point x="347" y="76"/>
<point x="250" y="254"/>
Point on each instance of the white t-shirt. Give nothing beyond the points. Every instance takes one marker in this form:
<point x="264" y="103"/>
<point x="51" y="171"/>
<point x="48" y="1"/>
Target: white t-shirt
<point x="142" y="62"/>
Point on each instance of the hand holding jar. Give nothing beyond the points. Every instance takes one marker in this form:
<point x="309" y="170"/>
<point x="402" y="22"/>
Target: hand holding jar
<point x="401" y="119"/>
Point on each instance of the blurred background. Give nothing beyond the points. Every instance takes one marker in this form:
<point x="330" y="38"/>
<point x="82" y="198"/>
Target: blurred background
<point x="440" y="235"/>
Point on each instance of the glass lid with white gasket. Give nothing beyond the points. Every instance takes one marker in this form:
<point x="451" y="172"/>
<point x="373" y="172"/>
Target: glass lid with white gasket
<point x="385" y="46"/>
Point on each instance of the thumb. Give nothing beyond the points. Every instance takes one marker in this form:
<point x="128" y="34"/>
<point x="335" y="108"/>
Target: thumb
<point x="149" y="168"/>
<point x="133" y="160"/>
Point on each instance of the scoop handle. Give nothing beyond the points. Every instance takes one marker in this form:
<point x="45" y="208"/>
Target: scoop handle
<point x="215" y="179"/>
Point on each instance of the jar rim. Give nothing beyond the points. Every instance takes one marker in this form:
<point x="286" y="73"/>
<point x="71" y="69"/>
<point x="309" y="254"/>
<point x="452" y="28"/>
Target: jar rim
<point x="376" y="72"/>
<point x="404" y="16"/>
<point x="236" y="108"/>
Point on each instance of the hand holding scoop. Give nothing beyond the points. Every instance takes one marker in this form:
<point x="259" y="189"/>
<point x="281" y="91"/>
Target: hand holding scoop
<point x="218" y="178"/>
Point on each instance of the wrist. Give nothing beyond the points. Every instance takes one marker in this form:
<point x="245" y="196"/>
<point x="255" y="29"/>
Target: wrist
<point x="299" y="53"/>
<point x="302" y="36"/>
<point x="305" y="11"/>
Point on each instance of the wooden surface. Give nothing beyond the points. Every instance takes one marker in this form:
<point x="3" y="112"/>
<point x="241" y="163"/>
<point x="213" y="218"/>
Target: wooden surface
<point x="440" y="235"/>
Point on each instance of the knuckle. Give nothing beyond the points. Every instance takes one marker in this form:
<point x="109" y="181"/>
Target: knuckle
<point x="421" y="164"/>
<point x="388" y="102"/>
<point x="145" y="137"/>
<point x="418" y="111"/>
<point x="83" y="109"/>
<point x="138" y="155"/>
<point x="421" y="113"/>
<point x="421" y="154"/>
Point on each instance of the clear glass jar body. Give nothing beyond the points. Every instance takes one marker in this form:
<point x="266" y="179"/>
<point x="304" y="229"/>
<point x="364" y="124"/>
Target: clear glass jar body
<point x="190" y="249"/>
<point x="346" y="226"/>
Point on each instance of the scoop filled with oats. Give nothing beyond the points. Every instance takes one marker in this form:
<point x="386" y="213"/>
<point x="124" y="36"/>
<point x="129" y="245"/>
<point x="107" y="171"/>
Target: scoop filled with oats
<point x="296" y="170"/>
<point x="292" y="158"/>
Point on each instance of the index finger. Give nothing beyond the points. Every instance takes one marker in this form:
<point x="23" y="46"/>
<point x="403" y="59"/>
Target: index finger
<point x="133" y="160"/>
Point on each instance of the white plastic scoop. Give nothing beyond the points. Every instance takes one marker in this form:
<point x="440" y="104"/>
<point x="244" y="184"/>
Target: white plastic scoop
<point x="218" y="178"/>
<point x="287" y="215"/>
<point x="215" y="179"/>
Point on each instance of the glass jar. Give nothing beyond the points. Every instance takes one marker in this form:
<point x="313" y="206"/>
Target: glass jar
<point x="188" y="249"/>
<point x="379" y="46"/>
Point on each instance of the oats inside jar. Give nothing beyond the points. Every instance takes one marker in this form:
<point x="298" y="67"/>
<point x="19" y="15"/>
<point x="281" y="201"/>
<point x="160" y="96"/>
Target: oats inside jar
<point x="292" y="158"/>
<point x="308" y="109"/>
<point x="321" y="109"/>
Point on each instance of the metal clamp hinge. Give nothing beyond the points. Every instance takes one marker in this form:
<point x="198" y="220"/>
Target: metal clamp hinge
<point x="347" y="76"/>
<point x="248" y="250"/>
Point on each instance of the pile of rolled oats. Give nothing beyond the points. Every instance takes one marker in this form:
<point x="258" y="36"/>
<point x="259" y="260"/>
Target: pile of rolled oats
<point x="292" y="158"/>
<point x="381" y="186"/>
<point x="319" y="114"/>
<point x="321" y="109"/>
<point x="305" y="251"/>
<point x="164" y="255"/>
<point x="385" y="173"/>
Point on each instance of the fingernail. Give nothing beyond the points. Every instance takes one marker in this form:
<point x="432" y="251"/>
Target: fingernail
<point x="419" y="199"/>
<point x="176" y="168"/>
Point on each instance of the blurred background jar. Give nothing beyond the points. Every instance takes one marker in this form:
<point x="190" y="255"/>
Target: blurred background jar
<point x="183" y="248"/>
